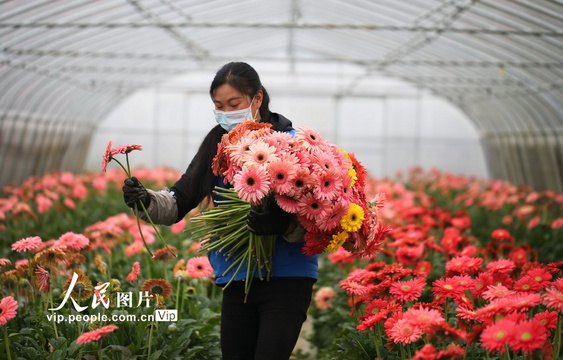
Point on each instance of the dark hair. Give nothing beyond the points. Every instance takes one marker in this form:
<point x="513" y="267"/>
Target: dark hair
<point x="243" y="78"/>
<point x="200" y="179"/>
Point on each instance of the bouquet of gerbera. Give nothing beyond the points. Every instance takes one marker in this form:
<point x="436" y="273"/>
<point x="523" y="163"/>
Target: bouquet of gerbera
<point x="307" y="176"/>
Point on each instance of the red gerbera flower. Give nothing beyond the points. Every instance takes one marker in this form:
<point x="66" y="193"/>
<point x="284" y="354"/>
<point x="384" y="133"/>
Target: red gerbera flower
<point x="446" y="288"/>
<point x="495" y="336"/>
<point x="408" y="290"/>
<point x="404" y="331"/>
<point x="501" y="235"/>
<point x="528" y="336"/>
<point x="463" y="265"/>
<point x="527" y="284"/>
<point x="548" y="319"/>
<point x="315" y="243"/>
<point x="542" y="276"/>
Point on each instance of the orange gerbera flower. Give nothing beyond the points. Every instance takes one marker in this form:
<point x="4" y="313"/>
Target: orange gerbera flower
<point x="50" y="257"/>
<point x="82" y="289"/>
<point x="157" y="287"/>
<point x="164" y="254"/>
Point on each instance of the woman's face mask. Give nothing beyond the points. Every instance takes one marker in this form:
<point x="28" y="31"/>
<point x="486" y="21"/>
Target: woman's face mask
<point x="230" y="119"/>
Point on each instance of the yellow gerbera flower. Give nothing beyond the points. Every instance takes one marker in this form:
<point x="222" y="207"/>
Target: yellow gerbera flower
<point x="352" y="173"/>
<point x="353" y="220"/>
<point x="337" y="241"/>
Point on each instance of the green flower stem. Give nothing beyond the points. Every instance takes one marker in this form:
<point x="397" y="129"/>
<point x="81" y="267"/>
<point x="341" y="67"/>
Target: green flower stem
<point x="7" y="342"/>
<point x="150" y="339"/>
<point x="557" y="347"/>
<point x="236" y="272"/>
<point x="100" y="349"/>
<point x="156" y="229"/>
<point x="141" y="231"/>
<point x="127" y="170"/>
<point x="178" y="294"/>
<point x="379" y="330"/>
<point x="53" y="313"/>
<point x="225" y="225"/>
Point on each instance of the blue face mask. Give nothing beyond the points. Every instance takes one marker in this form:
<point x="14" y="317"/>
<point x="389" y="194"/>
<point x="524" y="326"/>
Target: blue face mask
<point x="230" y="119"/>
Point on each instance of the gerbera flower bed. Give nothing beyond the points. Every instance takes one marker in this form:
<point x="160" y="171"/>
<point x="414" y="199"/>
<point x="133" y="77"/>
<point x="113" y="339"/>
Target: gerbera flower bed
<point x="437" y="291"/>
<point x="470" y="270"/>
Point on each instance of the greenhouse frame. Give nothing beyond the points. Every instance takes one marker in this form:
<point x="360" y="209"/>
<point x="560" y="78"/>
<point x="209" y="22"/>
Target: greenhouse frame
<point x="399" y="195"/>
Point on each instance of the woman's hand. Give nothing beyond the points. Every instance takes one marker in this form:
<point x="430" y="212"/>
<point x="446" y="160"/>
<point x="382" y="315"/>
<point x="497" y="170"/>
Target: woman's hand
<point x="134" y="193"/>
<point x="269" y="221"/>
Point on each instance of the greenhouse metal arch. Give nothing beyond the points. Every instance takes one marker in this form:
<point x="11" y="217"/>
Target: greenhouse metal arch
<point x="66" y="65"/>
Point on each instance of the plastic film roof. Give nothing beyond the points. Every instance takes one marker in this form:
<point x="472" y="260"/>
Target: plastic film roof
<point x="499" y="61"/>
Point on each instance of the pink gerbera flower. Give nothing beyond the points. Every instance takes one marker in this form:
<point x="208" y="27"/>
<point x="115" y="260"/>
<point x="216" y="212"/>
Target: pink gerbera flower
<point x="252" y="184"/>
<point x="353" y="287"/>
<point x="281" y="174"/>
<point x="8" y="307"/>
<point x="324" y="297"/>
<point x="259" y="153"/>
<point x="496" y="292"/>
<point x="300" y="182"/>
<point x="199" y="267"/>
<point x="328" y="184"/>
<point x="96" y="334"/>
<point x="134" y="248"/>
<point x="553" y="299"/>
<point x="288" y="204"/>
<point x="495" y="336"/>
<point x="312" y="208"/>
<point x="404" y="331"/>
<point x="106" y="158"/>
<point x="528" y="336"/>
<point x="331" y="219"/>
<point x="408" y="290"/>
<point x="280" y="140"/>
<point x="502" y="265"/>
<point x="238" y="150"/>
<point x="312" y="141"/>
<point x="135" y="272"/>
<point x="520" y="301"/>
<point x="42" y="279"/>
<point x="72" y="241"/>
<point x="26" y="244"/>
<point x="423" y="317"/>
<point x="324" y="161"/>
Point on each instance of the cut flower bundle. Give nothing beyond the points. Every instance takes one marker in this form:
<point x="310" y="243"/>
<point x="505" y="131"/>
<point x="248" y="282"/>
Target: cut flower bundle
<point x="321" y="185"/>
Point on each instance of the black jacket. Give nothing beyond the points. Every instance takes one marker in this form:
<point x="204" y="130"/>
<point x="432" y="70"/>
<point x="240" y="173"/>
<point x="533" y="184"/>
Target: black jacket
<point x="187" y="201"/>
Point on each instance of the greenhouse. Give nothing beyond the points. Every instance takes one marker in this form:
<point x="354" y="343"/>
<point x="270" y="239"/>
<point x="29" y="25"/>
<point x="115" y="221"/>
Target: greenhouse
<point x="390" y="185"/>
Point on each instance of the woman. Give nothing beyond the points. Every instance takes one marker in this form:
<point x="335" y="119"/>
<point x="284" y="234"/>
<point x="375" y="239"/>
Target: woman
<point x="267" y="325"/>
